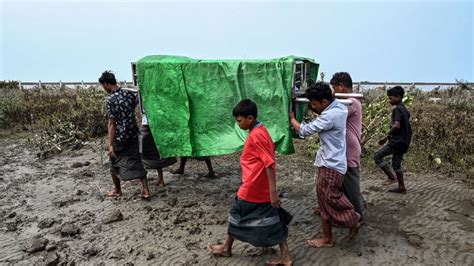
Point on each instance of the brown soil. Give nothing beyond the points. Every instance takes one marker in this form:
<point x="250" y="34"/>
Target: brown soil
<point x="53" y="211"/>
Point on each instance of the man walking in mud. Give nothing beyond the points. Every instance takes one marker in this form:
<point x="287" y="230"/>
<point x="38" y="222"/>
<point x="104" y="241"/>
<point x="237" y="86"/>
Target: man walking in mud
<point x="335" y="208"/>
<point x="122" y="129"/>
<point x="341" y="82"/>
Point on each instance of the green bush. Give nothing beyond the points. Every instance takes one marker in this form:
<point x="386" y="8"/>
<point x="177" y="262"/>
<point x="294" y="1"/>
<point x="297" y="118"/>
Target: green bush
<point x="64" y="116"/>
<point x="442" y="139"/>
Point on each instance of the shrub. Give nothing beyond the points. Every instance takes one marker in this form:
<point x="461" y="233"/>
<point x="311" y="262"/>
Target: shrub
<point x="64" y="116"/>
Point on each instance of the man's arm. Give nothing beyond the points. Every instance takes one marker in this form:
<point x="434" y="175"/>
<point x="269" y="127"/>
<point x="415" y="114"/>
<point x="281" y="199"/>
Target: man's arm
<point x="296" y="125"/>
<point x="272" y="184"/>
<point x="321" y="123"/>
<point x="267" y="156"/>
<point x="396" y="126"/>
<point x="111" y="128"/>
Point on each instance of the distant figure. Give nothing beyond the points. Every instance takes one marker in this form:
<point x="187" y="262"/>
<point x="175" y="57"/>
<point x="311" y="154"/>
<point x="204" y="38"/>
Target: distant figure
<point x="335" y="208"/>
<point x="123" y="136"/>
<point x="341" y="82"/>
<point x="399" y="138"/>
<point x="182" y="164"/>
<point x="149" y="153"/>
<point x="256" y="216"/>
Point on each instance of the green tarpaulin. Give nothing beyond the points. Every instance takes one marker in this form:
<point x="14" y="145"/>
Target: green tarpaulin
<point x="189" y="102"/>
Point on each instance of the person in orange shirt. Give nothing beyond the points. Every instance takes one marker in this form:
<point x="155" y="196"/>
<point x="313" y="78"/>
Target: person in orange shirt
<point x="256" y="216"/>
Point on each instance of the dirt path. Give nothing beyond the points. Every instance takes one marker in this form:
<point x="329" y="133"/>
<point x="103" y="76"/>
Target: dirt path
<point x="53" y="212"/>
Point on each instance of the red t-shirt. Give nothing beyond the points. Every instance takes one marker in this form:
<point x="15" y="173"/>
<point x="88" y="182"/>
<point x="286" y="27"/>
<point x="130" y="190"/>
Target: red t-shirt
<point x="258" y="154"/>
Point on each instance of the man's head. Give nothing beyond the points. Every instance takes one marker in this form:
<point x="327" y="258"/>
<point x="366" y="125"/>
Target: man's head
<point x="341" y="82"/>
<point x="245" y="113"/>
<point x="395" y="95"/>
<point x="107" y="80"/>
<point x="320" y="96"/>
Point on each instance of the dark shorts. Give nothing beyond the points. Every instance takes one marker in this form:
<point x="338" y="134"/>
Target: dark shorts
<point x="397" y="157"/>
<point x="259" y="224"/>
<point x="127" y="164"/>
<point x="149" y="153"/>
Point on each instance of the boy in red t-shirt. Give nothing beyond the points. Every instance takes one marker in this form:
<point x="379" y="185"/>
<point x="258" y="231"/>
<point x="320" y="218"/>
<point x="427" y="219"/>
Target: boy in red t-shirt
<point x="256" y="216"/>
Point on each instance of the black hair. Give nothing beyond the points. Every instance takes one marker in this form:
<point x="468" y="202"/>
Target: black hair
<point x="396" y="91"/>
<point x="107" y="77"/>
<point x="319" y="91"/>
<point x="245" y="108"/>
<point x="341" y="78"/>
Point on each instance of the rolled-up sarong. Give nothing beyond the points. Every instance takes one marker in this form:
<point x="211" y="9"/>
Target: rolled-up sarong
<point x="259" y="224"/>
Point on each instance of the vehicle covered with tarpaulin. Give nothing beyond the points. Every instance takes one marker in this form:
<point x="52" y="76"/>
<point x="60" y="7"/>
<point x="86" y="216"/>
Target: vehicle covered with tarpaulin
<point x="189" y="102"/>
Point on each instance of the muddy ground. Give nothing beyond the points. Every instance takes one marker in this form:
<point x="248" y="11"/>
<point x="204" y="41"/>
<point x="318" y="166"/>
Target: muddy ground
<point x="53" y="211"/>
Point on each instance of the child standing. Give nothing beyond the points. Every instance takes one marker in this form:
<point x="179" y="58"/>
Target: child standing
<point x="399" y="138"/>
<point x="256" y="216"/>
<point x="335" y="208"/>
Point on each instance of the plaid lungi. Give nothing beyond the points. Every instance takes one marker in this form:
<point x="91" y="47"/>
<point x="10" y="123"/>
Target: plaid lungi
<point x="334" y="206"/>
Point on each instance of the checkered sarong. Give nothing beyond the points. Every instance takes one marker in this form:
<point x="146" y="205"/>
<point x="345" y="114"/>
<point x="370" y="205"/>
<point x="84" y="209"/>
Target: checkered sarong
<point x="334" y="206"/>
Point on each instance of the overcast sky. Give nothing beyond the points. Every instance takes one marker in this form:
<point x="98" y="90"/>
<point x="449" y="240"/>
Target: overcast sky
<point x="374" y="41"/>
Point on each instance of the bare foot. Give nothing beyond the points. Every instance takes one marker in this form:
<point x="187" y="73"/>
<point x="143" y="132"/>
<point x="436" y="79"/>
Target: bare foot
<point x="398" y="190"/>
<point x="160" y="183"/>
<point x="177" y="171"/>
<point x="320" y="243"/>
<point x="389" y="181"/>
<point x="145" y="195"/>
<point x="114" y="194"/>
<point x="280" y="261"/>
<point x="218" y="250"/>
<point x="354" y="230"/>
